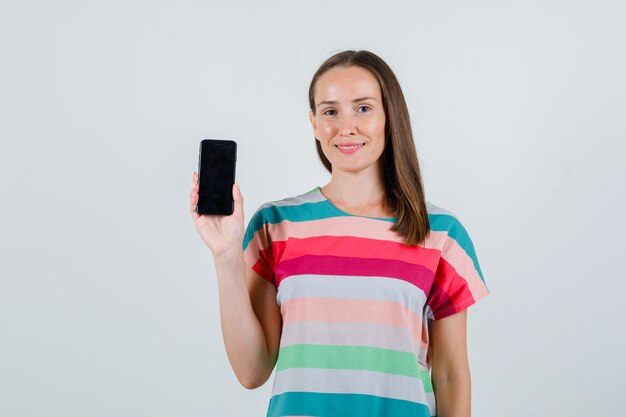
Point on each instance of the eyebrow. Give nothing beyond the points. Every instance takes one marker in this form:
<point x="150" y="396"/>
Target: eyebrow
<point x="354" y="101"/>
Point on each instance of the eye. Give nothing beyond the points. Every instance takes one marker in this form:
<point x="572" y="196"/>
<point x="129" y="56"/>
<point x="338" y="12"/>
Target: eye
<point x="364" y="107"/>
<point x="326" y="112"/>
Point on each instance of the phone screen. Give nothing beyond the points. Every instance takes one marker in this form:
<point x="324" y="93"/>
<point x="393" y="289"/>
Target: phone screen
<point x="216" y="176"/>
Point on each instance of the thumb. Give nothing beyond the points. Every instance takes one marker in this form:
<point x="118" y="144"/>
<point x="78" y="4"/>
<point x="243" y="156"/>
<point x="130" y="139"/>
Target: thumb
<point x="238" y="200"/>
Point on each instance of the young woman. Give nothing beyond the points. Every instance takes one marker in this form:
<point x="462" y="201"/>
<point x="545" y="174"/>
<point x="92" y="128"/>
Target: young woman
<point x="355" y="291"/>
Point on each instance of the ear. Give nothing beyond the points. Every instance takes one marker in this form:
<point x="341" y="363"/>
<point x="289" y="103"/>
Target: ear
<point x="313" y="123"/>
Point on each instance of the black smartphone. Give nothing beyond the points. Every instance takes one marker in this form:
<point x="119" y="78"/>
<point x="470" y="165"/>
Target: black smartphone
<point x="216" y="176"/>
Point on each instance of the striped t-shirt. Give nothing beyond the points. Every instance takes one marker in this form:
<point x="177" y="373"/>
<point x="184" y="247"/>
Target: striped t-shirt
<point x="355" y="304"/>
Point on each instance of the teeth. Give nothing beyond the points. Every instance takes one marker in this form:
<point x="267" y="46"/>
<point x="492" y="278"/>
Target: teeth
<point x="349" y="147"/>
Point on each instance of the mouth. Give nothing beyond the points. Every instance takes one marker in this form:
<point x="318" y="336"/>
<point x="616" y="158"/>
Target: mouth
<point x="350" y="146"/>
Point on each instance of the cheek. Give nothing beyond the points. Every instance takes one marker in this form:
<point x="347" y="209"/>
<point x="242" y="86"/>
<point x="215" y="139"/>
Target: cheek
<point x="375" y="124"/>
<point x="326" y="128"/>
<point x="379" y="124"/>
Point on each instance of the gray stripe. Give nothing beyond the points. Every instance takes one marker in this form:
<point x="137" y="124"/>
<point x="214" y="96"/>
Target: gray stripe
<point x="351" y="334"/>
<point x="353" y="287"/>
<point x="312" y="196"/>
<point x="352" y="381"/>
<point x="428" y="313"/>
<point x="315" y="196"/>
<point x="434" y="209"/>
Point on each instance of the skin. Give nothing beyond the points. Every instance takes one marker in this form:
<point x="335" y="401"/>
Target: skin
<point x="250" y="317"/>
<point x="356" y="184"/>
<point x="450" y="366"/>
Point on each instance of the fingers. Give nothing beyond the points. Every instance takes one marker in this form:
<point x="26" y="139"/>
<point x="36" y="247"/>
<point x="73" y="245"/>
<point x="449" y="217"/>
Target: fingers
<point x="237" y="197"/>
<point x="193" y="196"/>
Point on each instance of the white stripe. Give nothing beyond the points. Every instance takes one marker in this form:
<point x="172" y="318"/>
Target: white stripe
<point x="352" y="334"/>
<point x="353" y="287"/>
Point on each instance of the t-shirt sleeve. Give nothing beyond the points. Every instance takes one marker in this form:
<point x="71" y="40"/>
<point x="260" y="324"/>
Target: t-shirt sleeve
<point x="459" y="281"/>
<point x="257" y="246"/>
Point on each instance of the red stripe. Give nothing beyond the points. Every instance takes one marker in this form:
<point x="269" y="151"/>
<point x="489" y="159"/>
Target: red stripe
<point x="448" y="288"/>
<point x="265" y="265"/>
<point x="262" y="270"/>
<point x="355" y="247"/>
<point x="417" y="275"/>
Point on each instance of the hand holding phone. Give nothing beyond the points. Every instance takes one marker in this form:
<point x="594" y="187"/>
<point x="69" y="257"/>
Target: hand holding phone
<point x="221" y="233"/>
<point x="216" y="170"/>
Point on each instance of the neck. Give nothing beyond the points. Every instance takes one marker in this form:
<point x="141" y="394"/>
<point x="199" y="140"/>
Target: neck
<point x="357" y="191"/>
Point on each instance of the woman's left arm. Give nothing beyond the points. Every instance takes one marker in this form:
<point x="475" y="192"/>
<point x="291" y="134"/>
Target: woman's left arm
<point x="450" y="365"/>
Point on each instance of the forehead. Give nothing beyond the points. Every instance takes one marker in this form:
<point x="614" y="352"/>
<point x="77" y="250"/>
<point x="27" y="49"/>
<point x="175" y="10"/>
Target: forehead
<point x="346" y="83"/>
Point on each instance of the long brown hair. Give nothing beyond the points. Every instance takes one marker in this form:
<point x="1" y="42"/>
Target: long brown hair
<point x="404" y="188"/>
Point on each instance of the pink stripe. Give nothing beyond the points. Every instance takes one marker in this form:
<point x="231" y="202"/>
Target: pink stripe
<point x="464" y="266"/>
<point x="347" y="310"/>
<point x="335" y="226"/>
<point x="258" y="246"/>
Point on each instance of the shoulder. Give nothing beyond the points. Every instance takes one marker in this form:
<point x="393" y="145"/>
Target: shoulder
<point x="311" y="196"/>
<point x="443" y="220"/>
<point x="287" y="208"/>
<point x="278" y="210"/>
<point x="454" y="239"/>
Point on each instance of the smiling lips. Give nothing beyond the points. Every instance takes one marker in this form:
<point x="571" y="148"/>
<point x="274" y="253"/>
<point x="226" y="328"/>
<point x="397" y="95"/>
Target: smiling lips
<point x="348" y="148"/>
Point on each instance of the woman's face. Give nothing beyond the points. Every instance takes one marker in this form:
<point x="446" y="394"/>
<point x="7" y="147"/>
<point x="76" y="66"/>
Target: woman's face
<point x="349" y="119"/>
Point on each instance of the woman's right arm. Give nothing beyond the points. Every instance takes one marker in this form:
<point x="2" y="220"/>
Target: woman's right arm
<point x="251" y="320"/>
<point x="250" y="317"/>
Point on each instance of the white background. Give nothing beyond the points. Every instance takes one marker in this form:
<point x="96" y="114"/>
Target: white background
<point x="108" y="297"/>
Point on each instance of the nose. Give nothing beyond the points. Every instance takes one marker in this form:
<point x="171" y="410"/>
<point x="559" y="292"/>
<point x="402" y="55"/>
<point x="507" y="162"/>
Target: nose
<point x="348" y="126"/>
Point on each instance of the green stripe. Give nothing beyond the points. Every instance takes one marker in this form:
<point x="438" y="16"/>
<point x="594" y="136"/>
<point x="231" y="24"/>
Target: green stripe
<point x="344" y="405"/>
<point x="295" y="213"/>
<point x="352" y="357"/>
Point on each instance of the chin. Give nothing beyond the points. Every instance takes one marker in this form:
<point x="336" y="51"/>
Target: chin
<point x="349" y="168"/>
